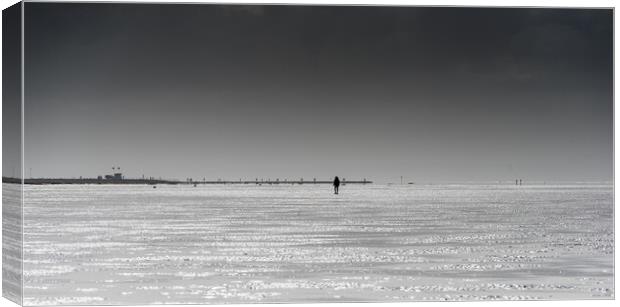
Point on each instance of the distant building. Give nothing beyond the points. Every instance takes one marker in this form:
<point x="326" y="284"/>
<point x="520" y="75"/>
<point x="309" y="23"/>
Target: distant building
<point x="116" y="176"/>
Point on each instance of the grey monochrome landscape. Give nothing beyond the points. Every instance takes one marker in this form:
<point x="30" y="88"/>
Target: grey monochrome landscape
<point x="188" y="153"/>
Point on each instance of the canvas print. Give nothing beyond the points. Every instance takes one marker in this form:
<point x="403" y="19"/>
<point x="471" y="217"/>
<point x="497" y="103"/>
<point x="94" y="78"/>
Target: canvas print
<point x="219" y="153"/>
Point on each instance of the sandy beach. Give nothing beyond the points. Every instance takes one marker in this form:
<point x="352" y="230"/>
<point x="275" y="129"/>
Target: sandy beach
<point x="123" y="244"/>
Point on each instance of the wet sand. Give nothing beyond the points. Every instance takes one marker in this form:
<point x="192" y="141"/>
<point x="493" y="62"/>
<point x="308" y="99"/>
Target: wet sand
<point x="123" y="244"/>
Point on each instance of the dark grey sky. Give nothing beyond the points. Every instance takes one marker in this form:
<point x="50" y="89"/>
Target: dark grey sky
<point x="433" y="94"/>
<point x="11" y="91"/>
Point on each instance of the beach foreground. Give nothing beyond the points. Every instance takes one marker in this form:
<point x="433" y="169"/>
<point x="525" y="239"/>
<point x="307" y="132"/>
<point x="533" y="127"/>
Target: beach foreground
<point x="125" y="244"/>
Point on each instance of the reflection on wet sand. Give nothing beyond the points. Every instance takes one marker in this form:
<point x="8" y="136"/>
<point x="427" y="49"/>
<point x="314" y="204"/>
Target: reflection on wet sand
<point x="130" y="244"/>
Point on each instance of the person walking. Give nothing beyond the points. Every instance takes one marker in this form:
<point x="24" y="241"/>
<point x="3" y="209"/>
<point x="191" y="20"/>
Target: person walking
<point x="336" y="185"/>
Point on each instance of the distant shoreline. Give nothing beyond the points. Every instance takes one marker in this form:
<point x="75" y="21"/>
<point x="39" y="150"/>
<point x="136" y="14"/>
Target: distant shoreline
<point x="57" y="181"/>
<point x="41" y="181"/>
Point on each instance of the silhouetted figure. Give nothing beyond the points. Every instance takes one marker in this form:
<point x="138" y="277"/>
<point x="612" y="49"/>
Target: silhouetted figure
<point x="336" y="185"/>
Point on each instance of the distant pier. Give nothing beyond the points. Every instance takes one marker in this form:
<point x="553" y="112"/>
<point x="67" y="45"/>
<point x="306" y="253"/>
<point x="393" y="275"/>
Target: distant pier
<point x="151" y="181"/>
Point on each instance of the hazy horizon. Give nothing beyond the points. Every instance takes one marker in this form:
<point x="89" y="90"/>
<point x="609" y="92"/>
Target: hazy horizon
<point x="222" y="91"/>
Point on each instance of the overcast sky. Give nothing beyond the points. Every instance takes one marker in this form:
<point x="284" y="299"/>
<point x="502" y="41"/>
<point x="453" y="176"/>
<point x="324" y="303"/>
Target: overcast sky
<point x="432" y="94"/>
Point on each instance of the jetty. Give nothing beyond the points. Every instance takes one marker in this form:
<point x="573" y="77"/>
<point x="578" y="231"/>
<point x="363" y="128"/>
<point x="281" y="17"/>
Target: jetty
<point x="153" y="181"/>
